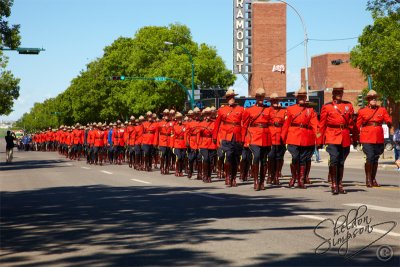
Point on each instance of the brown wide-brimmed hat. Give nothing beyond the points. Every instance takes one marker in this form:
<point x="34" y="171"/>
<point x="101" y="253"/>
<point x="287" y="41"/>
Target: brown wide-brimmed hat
<point x="230" y="93"/>
<point x="372" y="94"/>
<point x="166" y="111"/>
<point x="206" y="110"/>
<point x="275" y="96"/>
<point x="337" y="86"/>
<point x="301" y="92"/>
<point x="196" y="110"/>
<point x="178" y="115"/>
<point x="260" y="92"/>
<point x="132" y="118"/>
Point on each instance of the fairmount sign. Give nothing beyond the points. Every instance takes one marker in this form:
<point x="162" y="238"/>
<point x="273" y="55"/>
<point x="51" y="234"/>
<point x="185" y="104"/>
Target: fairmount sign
<point x="241" y="15"/>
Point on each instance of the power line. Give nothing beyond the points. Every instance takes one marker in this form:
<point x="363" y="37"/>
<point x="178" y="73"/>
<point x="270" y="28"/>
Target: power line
<point x="287" y="51"/>
<point x="332" y="40"/>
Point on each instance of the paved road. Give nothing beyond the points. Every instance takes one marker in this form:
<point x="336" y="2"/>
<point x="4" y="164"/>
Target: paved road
<point x="56" y="212"/>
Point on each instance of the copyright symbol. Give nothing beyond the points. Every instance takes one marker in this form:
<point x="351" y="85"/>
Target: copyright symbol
<point x="384" y="253"/>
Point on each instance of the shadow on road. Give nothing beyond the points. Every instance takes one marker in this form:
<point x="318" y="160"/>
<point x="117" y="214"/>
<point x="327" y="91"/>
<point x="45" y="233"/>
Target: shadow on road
<point x="367" y="257"/>
<point x="138" y="226"/>
<point x="29" y="164"/>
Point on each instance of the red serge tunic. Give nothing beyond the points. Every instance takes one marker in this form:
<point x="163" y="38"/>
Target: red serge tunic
<point x="277" y="116"/>
<point x="118" y="137"/>
<point x="130" y="135"/>
<point x="192" y="131"/>
<point x="149" y="133"/>
<point x="228" y="124"/>
<point x="98" y="136"/>
<point x="77" y="136"/>
<point x="256" y="126"/>
<point x="369" y="121"/>
<point x="300" y="127"/>
<point x="336" y="124"/>
<point x="139" y="134"/>
<point x="165" y="132"/>
<point x="179" y="135"/>
<point x="204" y="135"/>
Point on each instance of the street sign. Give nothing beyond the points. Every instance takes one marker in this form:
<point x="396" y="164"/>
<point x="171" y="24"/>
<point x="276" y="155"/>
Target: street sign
<point x="197" y="94"/>
<point x="160" y="79"/>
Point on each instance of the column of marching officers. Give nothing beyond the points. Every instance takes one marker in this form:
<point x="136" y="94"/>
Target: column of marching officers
<point x="234" y="140"/>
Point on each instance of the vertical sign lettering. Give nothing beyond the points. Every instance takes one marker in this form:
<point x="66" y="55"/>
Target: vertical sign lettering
<point x="239" y="37"/>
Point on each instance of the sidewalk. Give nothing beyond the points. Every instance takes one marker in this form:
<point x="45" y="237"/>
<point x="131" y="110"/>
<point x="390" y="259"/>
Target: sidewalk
<point x="355" y="160"/>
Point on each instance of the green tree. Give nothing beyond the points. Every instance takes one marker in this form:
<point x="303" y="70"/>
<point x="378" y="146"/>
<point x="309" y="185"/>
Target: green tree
<point x="92" y="96"/>
<point x="378" y="51"/>
<point x="9" y="36"/>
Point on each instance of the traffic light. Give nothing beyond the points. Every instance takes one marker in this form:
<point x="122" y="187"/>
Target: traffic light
<point x="118" y="78"/>
<point x="360" y="100"/>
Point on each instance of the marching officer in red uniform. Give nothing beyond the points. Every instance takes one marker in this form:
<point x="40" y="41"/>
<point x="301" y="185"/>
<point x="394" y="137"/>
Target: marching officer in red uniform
<point x="256" y="128"/>
<point x="335" y="126"/>
<point x="149" y="138"/>
<point x="98" y="136"/>
<point x="228" y="127"/>
<point x="278" y="149"/>
<point x="118" y="142"/>
<point x="193" y="152"/>
<point x="299" y="133"/>
<point x="77" y="139"/>
<point x="206" y="146"/>
<point x="369" y="124"/>
<point x="130" y="139"/>
<point x="179" y="136"/>
<point x="138" y="143"/>
<point x="165" y="132"/>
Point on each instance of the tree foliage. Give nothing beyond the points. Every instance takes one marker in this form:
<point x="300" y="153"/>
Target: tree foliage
<point x="9" y="36"/>
<point x="378" y="51"/>
<point x="93" y="96"/>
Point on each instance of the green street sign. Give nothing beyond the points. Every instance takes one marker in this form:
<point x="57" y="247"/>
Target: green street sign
<point x="160" y="79"/>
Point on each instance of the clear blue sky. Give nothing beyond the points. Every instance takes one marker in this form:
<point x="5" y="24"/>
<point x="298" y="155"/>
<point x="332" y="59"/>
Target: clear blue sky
<point x="74" y="32"/>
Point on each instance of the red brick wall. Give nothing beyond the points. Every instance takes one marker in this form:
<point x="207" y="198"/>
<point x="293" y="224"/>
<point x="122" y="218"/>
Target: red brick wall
<point x="322" y="75"/>
<point x="268" y="47"/>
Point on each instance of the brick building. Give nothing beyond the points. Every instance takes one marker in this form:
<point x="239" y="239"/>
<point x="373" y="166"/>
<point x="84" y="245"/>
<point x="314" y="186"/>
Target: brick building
<point x="268" y="48"/>
<point x="329" y="68"/>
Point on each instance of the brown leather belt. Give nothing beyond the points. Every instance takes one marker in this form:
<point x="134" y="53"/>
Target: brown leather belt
<point x="179" y="137"/>
<point x="148" y="132"/>
<point x="170" y="134"/>
<point x="231" y="123"/>
<point x="300" y="125"/>
<point x="341" y="126"/>
<point x="259" y="125"/>
<point x="276" y="124"/>
<point x="373" y="124"/>
<point x="206" y="135"/>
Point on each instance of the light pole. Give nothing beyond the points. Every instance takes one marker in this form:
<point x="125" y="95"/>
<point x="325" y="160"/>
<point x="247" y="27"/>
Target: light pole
<point x="305" y="39"/>
<point x="191" y="62"/>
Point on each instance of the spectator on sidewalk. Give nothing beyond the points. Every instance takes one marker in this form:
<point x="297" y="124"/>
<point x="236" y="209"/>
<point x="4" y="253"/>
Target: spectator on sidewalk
<point x="10" y="137"/>
<point x="396" y="140"/>
<point x="316" y="156"/>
